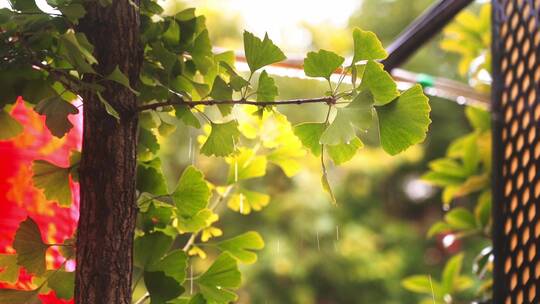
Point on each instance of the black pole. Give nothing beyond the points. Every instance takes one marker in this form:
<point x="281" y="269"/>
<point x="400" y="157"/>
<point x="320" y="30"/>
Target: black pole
<point x="422" y="30"/>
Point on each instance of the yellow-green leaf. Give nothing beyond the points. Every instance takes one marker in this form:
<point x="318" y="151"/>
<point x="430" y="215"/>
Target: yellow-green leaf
<point x="367" y="46"/>
<point x="222" y="139"/>
<point x="53" y="180"/>
<point x="241" y="247"/>
<point x="322" y="63"/>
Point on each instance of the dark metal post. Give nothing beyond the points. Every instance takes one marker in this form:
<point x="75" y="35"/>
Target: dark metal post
<point x="516" y="150"/>
<point x="422" y="30"/>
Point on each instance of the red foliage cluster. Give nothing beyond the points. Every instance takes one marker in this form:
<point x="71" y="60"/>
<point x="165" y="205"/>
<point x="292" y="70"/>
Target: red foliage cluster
<point x="18" y="196"/>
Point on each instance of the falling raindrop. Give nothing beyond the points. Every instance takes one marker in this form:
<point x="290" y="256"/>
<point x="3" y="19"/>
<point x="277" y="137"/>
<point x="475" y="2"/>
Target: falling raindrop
<point x="235" y="170"/>
<point x="337" y="233"/>
<point x="241" y="203"/>
<point x="318" y="242"/>
<point x="190" y="152"/>
<point x="278" y="247"/>
<point x="191" y="279"/>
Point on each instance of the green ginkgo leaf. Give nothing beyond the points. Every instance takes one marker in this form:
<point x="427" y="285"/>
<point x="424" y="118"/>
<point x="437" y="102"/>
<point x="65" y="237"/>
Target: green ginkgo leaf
<point x="367" y="46"/>
<point x="246" y="201"/>
<point x="379" y="83"/>
<point x="192" y="193"/>
<point x="260" y="53"/>
<point x="200" y="220"/>
<point x="161" y="287"/>
<point x="246" y="165"/>
<point x="339" y="131"/>
<point x="56" y="112"/>
<point x="222" y="139"/>
<point x="10" y="126"/>
<point x="53" y="180"/>
<point x="344" y="152"/>
<point x="30" y="247"/>
<point x="216" y="283"/>
<point x="405" y="121"/>
<point x="322" y="63"/>
<point x="158" y="242"/>
<point x="241" y="247"/>
<point x="117" y="76"/>
<point x="172" y="35"/>
<point x="266" y="88"/>
<point x="10" y="269"/>
<point x="172" y="265"/>
<point x="309" y="134"/>
<point x="62" y="282"/>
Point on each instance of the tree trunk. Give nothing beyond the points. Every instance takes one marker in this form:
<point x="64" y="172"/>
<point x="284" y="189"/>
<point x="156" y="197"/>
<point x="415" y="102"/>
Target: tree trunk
<point x="108" y="166"/>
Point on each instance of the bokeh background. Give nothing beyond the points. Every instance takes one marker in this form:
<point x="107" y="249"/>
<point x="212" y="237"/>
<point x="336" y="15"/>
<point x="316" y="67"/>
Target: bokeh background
<point x="360" y="251"/>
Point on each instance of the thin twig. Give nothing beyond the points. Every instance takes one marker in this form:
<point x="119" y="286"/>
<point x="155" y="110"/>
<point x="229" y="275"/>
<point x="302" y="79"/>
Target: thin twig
<point x="328" y="100"/>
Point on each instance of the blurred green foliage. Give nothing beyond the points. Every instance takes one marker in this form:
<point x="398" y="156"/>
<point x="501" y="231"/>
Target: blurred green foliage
<point x="360" y="251"/>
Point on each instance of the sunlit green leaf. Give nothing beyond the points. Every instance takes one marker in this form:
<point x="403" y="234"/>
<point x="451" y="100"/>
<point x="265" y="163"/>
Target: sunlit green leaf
<point x="379" y="83"/>
<point x="361" y="111"/>
<point x="322" y="63"/>
<point x="222" y="139"/>
<point x="309" y="134"/>
<point x="200" y="220"/>
<point x="241" y="247"/>
<point x="451" y="272"/>
<point x="221" y="91"/>
<point x="216" y="282"/>
<point x="202" y="52"/>
<point x="405" y="121"/>
<point x="460" y="219"/>
<point x="480" y="119"/>
<point x="339" y="131"/>
<point x="421" y="284"/>
<point x="237" y="82"/>
<point x="245" y="165"/>
<point x="192" y="193"/>
<point x="184" y="113"/>
<point x="246" y="201"/>
<point x="344" y="152"/>
<point x="367" y="46"/>
<point x="266" y="88"/>
<point x="260" y="53"/>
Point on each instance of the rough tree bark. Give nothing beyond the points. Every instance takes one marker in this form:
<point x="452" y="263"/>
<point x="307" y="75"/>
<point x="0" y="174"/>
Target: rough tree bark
<point x="108" y="166"/>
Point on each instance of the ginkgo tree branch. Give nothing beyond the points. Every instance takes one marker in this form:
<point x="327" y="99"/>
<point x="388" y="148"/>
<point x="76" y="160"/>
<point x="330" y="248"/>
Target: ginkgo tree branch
<point x="179" y="101"/>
